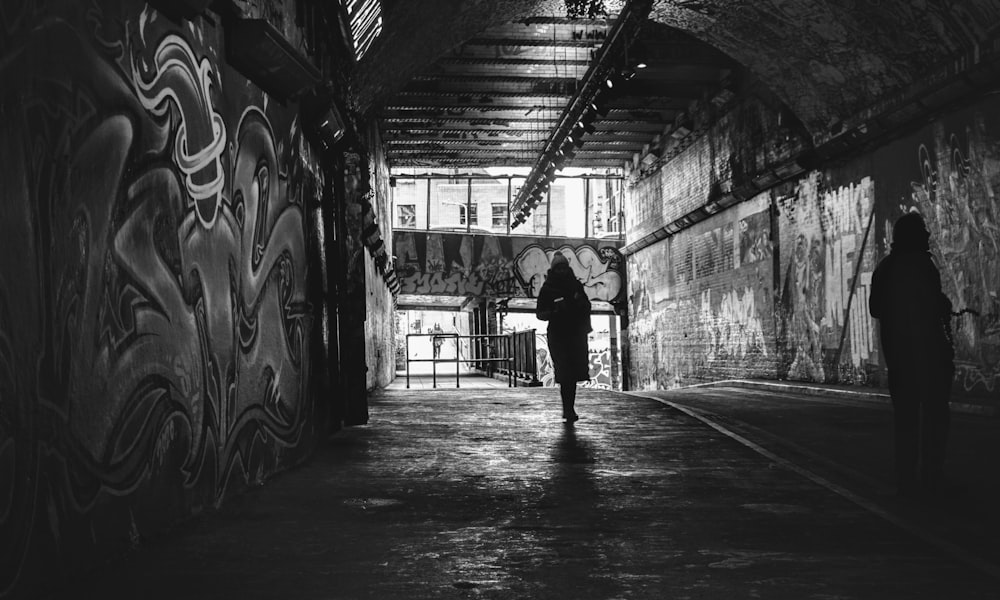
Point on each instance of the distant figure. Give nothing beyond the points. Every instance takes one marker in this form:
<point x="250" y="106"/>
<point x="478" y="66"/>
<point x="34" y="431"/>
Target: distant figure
<point x="438" y="341"/>
<point x="913" y="316"/>
<point x="563" y="302"/>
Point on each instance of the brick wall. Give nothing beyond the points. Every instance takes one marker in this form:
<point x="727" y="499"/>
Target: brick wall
<point x="777" y="286"/>
<point x="701" y="304"/>
<point x="380" y="324"/>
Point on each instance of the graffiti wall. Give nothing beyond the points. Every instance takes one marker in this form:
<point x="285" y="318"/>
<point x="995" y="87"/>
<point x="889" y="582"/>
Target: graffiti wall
<point x="777" y="287"/>
<point x="700" y="305"/>
<point x="950" y="173"/>
<point x="154" y="322"/>
<point x="455" y="264"/>
<point x="380" y="322"/>
<point x="825" y="273"/>
<point x="600" y="362"/>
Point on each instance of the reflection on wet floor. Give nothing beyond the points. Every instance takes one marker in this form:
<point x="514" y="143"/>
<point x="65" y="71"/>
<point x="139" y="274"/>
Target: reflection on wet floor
<point x="483" y="493"/>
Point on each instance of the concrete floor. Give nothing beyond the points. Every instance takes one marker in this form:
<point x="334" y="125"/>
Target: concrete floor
<point x="715" y="492"/>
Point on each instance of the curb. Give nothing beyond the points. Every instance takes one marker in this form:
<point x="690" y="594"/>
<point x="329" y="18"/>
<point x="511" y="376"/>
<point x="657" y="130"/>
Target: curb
<point x="881" y="397"/>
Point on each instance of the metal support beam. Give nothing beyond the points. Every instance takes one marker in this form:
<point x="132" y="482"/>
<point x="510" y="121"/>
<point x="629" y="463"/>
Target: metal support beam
<point x="625" y="28"/>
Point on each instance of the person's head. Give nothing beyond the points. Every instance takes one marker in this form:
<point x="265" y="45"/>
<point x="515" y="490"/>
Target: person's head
<point x="559" y="262"/>
<point x="910" y="233"/>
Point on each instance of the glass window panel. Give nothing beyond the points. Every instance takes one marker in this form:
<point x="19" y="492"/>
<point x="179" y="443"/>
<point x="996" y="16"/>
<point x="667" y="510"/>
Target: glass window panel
<point x="449" y="203"/>
<point x="566" y="202"/>
<point x="498" y="222"/>
<point x="604" y="200"/>
<point x="409" y="198"/>
<point x="489" y="199"/>
<point x="537" y="219"/>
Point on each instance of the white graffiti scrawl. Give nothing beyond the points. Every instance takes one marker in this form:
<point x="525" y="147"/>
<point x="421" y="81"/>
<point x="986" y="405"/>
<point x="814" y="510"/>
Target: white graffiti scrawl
<point x="494" y="265"/>
<point x="734" y="326"/>
<point x="597" y="273"/>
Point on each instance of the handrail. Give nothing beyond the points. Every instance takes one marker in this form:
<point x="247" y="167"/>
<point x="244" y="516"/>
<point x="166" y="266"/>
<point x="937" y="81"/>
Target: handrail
<point x="513" y="354"/>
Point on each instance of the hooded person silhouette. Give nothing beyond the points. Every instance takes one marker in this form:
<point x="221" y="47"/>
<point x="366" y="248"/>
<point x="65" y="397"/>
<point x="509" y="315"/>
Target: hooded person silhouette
<point x="563" y="302"/>
<point x="913" y="316"/>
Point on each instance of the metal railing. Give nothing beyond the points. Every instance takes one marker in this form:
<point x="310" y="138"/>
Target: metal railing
<point x="512" y="354"/>
<point x="525" y="363"/>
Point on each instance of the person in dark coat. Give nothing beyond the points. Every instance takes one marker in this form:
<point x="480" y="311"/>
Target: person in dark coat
<point x="563" y="302"/>
<point x="913" y="316"/>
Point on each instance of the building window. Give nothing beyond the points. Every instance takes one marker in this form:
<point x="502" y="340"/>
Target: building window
<point x="473" y="214"/>
<point x="407" y="216"/>
<point x="499" y="216"/>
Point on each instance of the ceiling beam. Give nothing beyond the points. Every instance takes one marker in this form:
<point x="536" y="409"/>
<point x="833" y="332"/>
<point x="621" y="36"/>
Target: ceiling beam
<point x="506" y="135"/>
<point x="624" y="30"/>
<point x="491" y="84"/>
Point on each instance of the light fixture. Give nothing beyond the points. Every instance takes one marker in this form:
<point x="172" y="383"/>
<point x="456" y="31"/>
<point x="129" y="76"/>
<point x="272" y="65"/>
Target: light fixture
<point x="331" y="128"/>
<point x="601" y="107"/>
<point x="637" y="54"/>
<point x="322" y="122"/>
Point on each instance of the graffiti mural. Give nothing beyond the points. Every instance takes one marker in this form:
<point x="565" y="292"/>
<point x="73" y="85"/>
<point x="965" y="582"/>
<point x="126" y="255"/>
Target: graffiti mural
<point x="825" y="271"/>
<point x="600" y="364"/>
<point x="502" y="266"/>
<point x="155" y="351"/>
<point x="701" y="306"/>
<point x="950" y="173"/>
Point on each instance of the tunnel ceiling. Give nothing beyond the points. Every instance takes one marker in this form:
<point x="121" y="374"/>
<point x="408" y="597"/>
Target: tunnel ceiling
<point x="494" y="99"/>
<point x="475" y="82"/>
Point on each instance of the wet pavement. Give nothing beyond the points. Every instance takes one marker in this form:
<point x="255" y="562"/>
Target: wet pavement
<point x="713" y="492"/>
<point x="465" y="381"/>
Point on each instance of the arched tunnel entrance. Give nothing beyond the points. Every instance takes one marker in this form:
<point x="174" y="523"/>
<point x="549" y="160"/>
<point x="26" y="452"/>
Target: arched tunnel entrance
<point x="220" y="217"/>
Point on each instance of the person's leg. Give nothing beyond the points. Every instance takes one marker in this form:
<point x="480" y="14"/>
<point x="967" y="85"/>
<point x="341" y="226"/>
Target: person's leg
<point x="567" y="392"/>
<point x="934" y="428"/>
<point x="906" y="423"/>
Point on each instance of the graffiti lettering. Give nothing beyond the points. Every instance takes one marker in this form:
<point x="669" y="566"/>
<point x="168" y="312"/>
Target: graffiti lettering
<point x="600" y="365"/>
<point x="734" y="326"/>
<point x="489" y="265"/>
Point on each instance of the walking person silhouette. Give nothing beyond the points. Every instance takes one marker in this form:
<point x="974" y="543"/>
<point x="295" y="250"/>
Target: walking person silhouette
<point x="563" y="302"/>
<point x="913" y="316"/>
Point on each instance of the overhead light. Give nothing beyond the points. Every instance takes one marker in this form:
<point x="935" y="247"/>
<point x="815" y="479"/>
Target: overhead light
<point x="331" y="128"/>
<point x="637" y="56"/>
<point x="322" y="122"/>
<point x="601" y="108"/>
